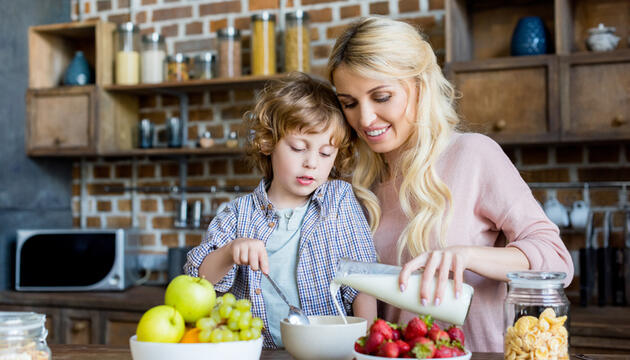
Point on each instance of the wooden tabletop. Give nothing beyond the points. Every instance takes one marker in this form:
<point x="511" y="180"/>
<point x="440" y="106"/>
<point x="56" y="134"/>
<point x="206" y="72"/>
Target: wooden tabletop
<point x="100" y="352"/>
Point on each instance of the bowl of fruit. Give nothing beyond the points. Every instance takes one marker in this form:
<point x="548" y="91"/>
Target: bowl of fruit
<point x="194" y="323"/>
<point x="421" y="338"/>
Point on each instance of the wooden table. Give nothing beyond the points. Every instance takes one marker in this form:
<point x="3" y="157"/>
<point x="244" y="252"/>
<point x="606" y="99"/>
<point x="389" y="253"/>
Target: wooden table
<point x="100" y="352"/>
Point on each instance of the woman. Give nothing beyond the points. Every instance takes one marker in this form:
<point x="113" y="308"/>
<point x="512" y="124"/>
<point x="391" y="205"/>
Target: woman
<point x="436" y="198"/>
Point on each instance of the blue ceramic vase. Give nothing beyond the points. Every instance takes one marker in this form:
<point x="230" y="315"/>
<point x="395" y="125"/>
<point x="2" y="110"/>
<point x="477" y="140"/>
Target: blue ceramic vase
<point x="529" y="37"/>
<point x="78" y="72"/>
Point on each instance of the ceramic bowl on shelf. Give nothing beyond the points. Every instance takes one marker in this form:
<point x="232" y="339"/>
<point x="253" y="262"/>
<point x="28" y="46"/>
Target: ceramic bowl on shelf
<point x="359" y="356"/>
<point x="233" y="350"/>
<point x="326" y="338"/>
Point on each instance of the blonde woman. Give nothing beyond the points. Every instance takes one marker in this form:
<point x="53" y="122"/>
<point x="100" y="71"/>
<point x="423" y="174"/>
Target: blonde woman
<point x="438" y="199"/>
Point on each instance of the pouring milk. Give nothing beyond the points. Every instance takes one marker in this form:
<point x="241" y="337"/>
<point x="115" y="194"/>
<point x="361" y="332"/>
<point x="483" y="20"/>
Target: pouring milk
<point x="381" y="281"/>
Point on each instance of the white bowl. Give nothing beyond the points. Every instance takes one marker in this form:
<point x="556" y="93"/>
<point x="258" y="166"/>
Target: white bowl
<point x="326" y="338"/>
<point x="237" y="350"/>
<point x="359" y="356"/>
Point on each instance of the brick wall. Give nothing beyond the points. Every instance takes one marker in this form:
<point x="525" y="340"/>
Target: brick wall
<point x="190" y="27"/>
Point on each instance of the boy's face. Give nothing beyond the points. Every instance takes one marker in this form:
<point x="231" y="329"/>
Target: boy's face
<point x="300" y="163"/>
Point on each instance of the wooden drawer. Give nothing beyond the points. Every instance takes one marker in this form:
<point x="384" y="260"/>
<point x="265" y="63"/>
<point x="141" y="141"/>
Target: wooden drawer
<point x="511" y="100"/>
<point x="80" y="326"/>
<point x="118" y="327"/>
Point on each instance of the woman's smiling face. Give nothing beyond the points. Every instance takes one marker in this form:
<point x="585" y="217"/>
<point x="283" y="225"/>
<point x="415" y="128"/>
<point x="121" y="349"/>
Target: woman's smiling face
<point x="377" y="109"/>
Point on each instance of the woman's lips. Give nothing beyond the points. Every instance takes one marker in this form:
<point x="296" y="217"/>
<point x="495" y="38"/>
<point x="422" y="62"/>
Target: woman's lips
<point x="305" y="180"/>
<point x="377" y="134"/>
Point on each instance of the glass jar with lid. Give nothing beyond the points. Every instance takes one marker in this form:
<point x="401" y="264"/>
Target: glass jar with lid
<point x="203" y="66"/>
<point x="297" y="47"/>
<point x="127" y="54"/>
<point x="536" y="316"/>
<point x="177" y="67"/>
<point x="230" y="60"/>
<point x="153" y="55"/>
<point x="263" y="46"/>
<point x="23" y="336"/>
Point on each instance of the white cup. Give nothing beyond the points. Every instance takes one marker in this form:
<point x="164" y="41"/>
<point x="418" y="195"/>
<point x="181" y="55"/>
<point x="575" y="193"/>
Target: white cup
<point x="556" y="212"/>
<point x="579" y="214"/>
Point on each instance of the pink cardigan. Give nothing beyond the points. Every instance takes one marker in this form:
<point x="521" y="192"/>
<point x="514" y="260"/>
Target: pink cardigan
<point x="489" y="199"/>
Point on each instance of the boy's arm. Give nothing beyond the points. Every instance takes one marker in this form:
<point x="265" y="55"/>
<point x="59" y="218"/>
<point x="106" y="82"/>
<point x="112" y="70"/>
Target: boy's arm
<point x="364" y="306"/>
<point x="217" y="264"/>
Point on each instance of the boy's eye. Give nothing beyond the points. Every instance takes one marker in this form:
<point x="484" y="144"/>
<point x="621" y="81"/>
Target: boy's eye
<point x="325" y="154"/>
<point x="296" y="149"/>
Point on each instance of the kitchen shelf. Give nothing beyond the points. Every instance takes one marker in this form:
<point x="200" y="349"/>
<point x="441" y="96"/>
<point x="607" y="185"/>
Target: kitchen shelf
<point x="214" y="150"/>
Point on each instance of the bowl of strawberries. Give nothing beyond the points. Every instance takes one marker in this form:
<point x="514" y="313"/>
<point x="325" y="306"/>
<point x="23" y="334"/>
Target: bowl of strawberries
<point x="421" y="338"/>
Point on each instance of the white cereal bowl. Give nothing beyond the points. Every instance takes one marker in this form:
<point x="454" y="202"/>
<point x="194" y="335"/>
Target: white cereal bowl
<point x="233" y="350"/>
<point x="326" y="338"/>
<point x="359" y="356"/>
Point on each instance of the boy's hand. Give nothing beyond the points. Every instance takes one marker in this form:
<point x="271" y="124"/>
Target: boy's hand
<point x="252" y="252"/>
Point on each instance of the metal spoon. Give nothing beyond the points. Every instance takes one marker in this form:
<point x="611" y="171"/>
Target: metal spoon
<point x="296" y="315"/>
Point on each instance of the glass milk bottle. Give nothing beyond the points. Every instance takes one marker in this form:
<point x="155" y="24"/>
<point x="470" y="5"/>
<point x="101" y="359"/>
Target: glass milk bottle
<point x="381" y="281"/>
<point x="535" y="314"/>
<point x="153" y="55"/>
<point x="127" y="54"/>
<point x="23" y="336"/>
<point x="297" y="47"/>
<point x="263" y="46"/>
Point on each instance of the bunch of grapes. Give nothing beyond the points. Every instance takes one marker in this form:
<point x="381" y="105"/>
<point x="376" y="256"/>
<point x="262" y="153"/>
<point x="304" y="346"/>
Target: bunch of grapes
<point x="230" y="320"/>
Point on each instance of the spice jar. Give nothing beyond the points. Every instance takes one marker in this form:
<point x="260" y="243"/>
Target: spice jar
<point x="204" y="66"/>
<point x="23" y="336"/>
<point x="127" y="54"/>
<point x="263" y="44"/>
<point x="177" y="67"/>
<point x="206" y="140"/>
<point x="297" y="47"/>
<point x="232" y="141"/>
<point x="153" y="55"/>
<point x="229" y="52"/>
<point x="536" y="312"/>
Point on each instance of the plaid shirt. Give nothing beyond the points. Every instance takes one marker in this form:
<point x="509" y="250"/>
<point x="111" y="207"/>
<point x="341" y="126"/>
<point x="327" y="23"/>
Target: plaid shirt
<point x="334" y="227"/>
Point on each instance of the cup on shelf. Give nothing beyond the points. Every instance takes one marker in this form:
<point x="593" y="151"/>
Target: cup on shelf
<point x="174" y="132"/>
<point x="145" y="134"/>
<point x="556" y="212"/>
<point x="579" y="214"/>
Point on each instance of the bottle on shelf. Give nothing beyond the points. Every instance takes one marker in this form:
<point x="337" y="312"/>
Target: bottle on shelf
<point x="127" y="54"/>
<point x="229" y="52"/>
<point x="297" y="47"/>
<point x="153" y="56"/>
<point x="263" y="46"/>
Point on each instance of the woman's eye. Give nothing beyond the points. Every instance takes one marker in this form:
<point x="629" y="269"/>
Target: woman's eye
<point x="382" y="99"/>
<point x="349" y="106"/>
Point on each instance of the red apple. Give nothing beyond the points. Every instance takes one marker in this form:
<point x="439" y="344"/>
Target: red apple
<point x="193" y="297"/>
<point x="161" y="323"/>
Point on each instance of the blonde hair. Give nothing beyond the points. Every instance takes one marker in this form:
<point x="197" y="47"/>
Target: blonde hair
<point x="297" y="103"/>
<point x="380" y="48"/>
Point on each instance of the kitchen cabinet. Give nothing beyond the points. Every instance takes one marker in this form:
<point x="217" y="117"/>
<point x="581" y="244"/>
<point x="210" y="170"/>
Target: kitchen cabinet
<point x="567" y="95"/>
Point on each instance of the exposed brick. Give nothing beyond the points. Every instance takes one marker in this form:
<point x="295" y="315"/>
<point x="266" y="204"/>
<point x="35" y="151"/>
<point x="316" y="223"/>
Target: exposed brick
<point x="241" y="166"/>
<point x="194" y="28"/>
<point x="242" y="182"/>
<point x="379" y="8"/>
<point x="123" y="4"/>
<point x="147" y="30"/>
<point x="149" y="2"/>
<point x="540" y="195"/>
<point x="603" y="153"/>
<point x="76" y="189"/>
<point x="244" y="95"/>
<point x="242" y="23"/>
<point x="172" y="13"/>
<point x="147" y="239"/>
<point x="437" y="41"/>
<point x="103" y="5"/>
<point x="147" y="102"/>
<point x="313" y="2"/>
<point x="215" y="130"/>
<point x="569" y="196"/>
<point x="570" y="154"/>
<point x="148" y="205"/>
<point x="118" y="18"/>
<point x="195" y="168"/>
<point x="157" y="117"/>
<point x="162" y="222"/>
<point x="202" y="183"/>
<point x="104" y="206"/>
<point x="604" y="174"/>
<point x="240" y="128"/>
<point x="169" y="240"/>
<point x="234" y="112"/>
<point x="193" y="239"/>
<point x="195" y="99"/>
<point x="146" y="170"/>
<point x="86" y="8"/>
<point x="169" y="100"/>
<point x="76" y="172"/>
<point x="321" y="51"/>
<point x="436" y="4"/>
<point x="93" y="222"/>
<point x="169" y="169"/>
<point x="123" y="171"/>
<point x="118" y="222"/>
<point x="321" y="15"/>
<point x="141" y="17"/>
<point x="334" y="31"/>
<point x="168" y="205"/>
<point x="604" y="197"/>
<point x="102" y="171"/>
<point x="534" y="155"/>
<point x="319" y="70"/>
<point x="219" y="97"/>
<point x="425" y="23"/>
<point x="124" y="205"/>
<point x="314" y="34"/>
<point x="215" y="25"/>
<point x="76" y="206"/>
<point x="350" y="11"/>
<point x="189" y="46"/>
<point x="76" y="222"/>
<point x="200" y="115"/>
<point x="263" y="4"/>
<point x="546" y="175"/>
<point x="193" y="133"/>
<point x="218" y="167"/>
<point x="408" y="6"/>
<point x="99" y="189"/>
<point x="220" y="8"/>
<point x="170" y="31"/>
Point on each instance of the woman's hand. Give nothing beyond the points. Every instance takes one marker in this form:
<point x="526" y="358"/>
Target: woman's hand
<point x="252" y="252"/>
<point x="441" y="262"/>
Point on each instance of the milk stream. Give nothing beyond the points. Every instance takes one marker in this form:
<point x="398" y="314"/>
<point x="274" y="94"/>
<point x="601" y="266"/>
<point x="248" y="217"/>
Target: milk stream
<point x="334" y="288"/>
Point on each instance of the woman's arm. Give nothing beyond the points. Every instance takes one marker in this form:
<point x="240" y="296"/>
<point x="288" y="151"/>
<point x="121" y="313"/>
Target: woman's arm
<point x="364" y="306"/>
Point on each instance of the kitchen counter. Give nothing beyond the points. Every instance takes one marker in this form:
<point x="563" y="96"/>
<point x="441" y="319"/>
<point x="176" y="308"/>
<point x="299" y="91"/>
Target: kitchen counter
<point x="99" y="352"/>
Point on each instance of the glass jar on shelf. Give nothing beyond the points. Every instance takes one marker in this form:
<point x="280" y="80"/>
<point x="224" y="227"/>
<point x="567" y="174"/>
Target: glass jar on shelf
<point x="23" y="336"/>
<point x="230" y="61"/>
<point x="263" y="46"/>
<point x="153" y="55"/>
<point x="127" y="54"/>
<point x="536" y="316"/>
<point x="203" y="66"/>
<point x="177" y="67"/>
<point x="297" y="46"/>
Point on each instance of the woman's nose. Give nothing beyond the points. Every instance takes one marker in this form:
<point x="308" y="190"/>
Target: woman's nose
<point x="367" y="115"/>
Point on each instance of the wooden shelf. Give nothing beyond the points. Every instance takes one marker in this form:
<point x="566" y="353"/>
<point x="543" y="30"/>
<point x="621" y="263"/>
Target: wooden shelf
<point x="214" y="150"/>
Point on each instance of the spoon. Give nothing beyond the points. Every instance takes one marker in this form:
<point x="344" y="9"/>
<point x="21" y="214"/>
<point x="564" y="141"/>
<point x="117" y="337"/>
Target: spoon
<point x="296" y="315"/>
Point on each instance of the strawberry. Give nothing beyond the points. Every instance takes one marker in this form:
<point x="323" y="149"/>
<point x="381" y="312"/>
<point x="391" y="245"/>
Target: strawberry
<point x="423" y="348"/>
<point x="444" y="351"/>
<point x="415" y="328"/>
<point x="373" y="342"/>
<point x="456" y="333"/>
<point x="389" y="350"/>
<point x="458" y="351"/>
<point x="381" y="326"/>
<point x="396" y="334"/>
<point x="403" y="347"/>
<point x="359" y="345"/>
<point x="442" y="337"/>
<point x="433" y="331"/>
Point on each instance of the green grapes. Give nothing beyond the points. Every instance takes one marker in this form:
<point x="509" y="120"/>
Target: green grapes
<point x="243" y="305"/>
<point x="206" y="323"/>
<point x="225" y="310"/>
<point x="257" y="323"/>
<point x="217" y="335"/>
<point x="205" y="335"/>
<point x="229" y="299"/>
<point x="230" y="320"/>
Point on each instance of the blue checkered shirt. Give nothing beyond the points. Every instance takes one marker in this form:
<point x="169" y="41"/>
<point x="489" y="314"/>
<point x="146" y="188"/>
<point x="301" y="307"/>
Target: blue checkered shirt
<point x="334" y="227"/>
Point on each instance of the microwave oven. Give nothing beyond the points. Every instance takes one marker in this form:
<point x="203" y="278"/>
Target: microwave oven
<point x="76" y="259"/>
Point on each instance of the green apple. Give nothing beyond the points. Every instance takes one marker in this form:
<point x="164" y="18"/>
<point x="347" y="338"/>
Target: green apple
<point x="161" y="323"/>
<point x="193" y="297"/>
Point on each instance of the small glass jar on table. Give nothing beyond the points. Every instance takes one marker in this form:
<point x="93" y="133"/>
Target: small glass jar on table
<point x="177" y="67"/>
<point x="23" y="336"/>
<point x="536" y="316"/>
<point x="230" y="61"/>
<point x="153" y="56"/>
<point x="263" y="46"/>
<point x="297" y="47"/>
<point x="203" y="66"/>
<point x="127" y="54"/>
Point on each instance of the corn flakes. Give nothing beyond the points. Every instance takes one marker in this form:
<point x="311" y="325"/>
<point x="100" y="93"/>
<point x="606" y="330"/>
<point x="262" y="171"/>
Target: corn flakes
<point x="539" y="338"/>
